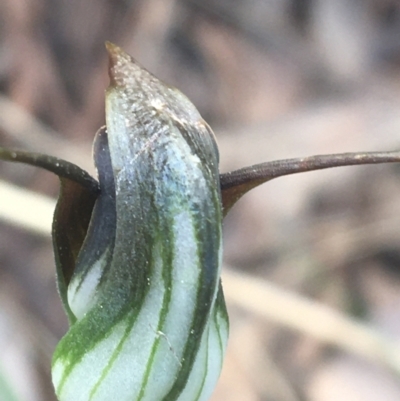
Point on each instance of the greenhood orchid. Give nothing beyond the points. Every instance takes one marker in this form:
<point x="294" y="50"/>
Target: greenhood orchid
<point x="139" y="250"/>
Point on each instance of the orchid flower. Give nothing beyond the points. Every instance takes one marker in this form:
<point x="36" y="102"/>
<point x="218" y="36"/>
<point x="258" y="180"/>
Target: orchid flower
<point x="139" y="249"/>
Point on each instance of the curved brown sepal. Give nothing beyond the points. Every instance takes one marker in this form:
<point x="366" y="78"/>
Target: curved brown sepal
<point x="78" y="194"/>
<point x="236" y="183"/>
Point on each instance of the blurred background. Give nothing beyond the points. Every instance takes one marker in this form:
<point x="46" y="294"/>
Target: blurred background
<point x="275" y="79"/>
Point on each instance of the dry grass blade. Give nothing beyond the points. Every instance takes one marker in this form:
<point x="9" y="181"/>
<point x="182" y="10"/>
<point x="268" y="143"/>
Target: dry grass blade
<point x="26" y="209"/>
<point x="310" y="317"/>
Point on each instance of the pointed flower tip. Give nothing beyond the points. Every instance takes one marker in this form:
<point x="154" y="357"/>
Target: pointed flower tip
<point x="117" y="57"/>
<point x="113" y="50"/>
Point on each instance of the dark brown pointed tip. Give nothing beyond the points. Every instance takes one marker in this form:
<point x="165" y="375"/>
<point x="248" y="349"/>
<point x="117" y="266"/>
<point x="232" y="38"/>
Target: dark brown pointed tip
<point x="115" y="53"/>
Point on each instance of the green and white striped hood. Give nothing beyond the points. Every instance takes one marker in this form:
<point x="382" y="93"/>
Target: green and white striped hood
<point x="148" y="318"/>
